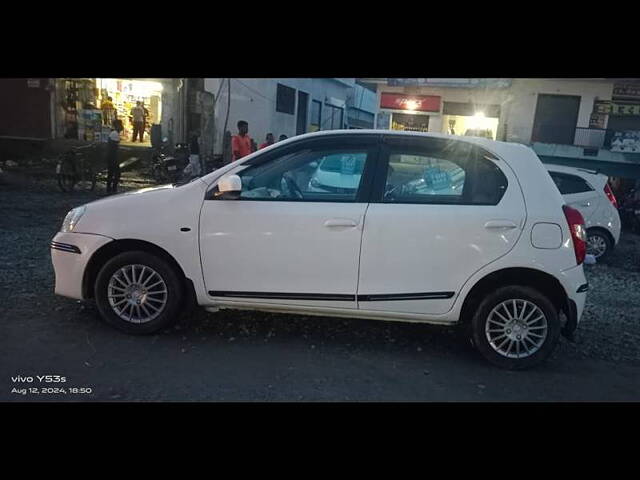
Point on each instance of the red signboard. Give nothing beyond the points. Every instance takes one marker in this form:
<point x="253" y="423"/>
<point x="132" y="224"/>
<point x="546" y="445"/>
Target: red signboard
<point x="417" y="103"/>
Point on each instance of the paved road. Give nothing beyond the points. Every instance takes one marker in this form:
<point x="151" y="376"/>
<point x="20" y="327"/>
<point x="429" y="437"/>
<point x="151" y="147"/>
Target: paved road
<point x="244" y="356"/>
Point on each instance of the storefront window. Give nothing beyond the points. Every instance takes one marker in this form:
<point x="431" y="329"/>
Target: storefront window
<point x="411" y="123"/>
<point x="125" y="93"/>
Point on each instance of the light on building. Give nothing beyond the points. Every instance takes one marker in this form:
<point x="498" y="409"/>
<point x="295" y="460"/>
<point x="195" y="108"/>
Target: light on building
<point x="411" y="105"/>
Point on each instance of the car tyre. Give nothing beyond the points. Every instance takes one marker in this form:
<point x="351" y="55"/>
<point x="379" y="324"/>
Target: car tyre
<point x="603" y="239"/>
<point x="480" y="322"/>
<point x="169" y="311"/>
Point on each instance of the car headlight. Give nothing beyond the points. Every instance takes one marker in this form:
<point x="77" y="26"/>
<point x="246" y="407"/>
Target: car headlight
<point x="72" y="218"/>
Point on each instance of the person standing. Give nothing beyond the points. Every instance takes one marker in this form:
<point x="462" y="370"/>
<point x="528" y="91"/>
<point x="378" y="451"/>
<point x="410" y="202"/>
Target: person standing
<point x="241" y="143"/>
<point x="282" y="137"/>
<point x="270" y="141"/>
<point x="193" y="169"/>
<point x="107" y="111"/>
<point x="137" y="113"/>
<point x="117" y="123"/>
<point x="113" y="167"/>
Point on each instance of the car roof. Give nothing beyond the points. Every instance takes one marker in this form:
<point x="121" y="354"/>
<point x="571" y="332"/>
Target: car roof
<point x="513" y="153"/>
<point x="582" y="172"/>
<point x="493" y="146"/>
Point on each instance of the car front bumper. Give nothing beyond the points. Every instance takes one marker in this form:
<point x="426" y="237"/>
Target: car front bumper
<point x="70" y="254"/>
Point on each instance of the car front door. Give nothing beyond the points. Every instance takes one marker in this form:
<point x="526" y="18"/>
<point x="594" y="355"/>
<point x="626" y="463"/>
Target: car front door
<point x="293" y="237"/>
<point x="441" y="210"/>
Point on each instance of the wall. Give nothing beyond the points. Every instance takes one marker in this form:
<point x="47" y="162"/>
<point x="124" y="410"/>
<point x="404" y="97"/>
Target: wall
<point x="520" y="110"/>
<point x="254" y="100"/>
<point x="26" y="111"/>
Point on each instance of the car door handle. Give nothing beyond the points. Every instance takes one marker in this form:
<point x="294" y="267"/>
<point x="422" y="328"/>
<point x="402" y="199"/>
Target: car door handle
<point x="588" y="204"/>
<point x="496" y="224"/>
<point x="340" y="222"/>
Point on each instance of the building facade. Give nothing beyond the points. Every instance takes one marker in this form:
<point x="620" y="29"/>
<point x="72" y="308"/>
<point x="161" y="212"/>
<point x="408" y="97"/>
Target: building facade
<point x="588" y="122"/>
<point x="289" y="106"/>
<point x="70" y="108"/>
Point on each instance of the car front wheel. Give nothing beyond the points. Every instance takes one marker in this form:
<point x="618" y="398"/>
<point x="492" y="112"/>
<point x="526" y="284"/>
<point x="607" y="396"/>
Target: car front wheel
<point x="138" y="293"/>
<point x="516" y="327"/>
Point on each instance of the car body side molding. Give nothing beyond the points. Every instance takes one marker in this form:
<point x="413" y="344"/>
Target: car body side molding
<point x="335" y="296"/>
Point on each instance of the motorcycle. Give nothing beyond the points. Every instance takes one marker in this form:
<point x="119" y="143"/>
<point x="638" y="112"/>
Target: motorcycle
<point x="630" y="211"/>
<point x="167" y="167"/>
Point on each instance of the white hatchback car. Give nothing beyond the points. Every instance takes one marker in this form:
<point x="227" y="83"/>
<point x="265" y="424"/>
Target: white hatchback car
<point x="436" y="229"/>
<point x="589" y="193"/>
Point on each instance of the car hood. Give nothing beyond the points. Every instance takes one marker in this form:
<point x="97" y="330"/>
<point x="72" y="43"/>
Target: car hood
<point x="141" y="210"/>
<point x="127" y="196"/>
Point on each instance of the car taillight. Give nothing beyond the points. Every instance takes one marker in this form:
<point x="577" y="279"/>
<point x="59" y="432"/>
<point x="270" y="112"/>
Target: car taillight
<point x="612" y="197"/>
<point x="578" y="232"/>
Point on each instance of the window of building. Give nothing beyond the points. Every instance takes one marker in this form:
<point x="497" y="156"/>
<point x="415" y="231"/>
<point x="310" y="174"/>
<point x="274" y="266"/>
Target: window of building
<point x="316" y="116"/>
<point x="286" y="99"/>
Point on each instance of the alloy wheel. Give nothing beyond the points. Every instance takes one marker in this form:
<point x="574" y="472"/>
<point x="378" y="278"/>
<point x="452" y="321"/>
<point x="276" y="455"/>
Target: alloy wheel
<point x="137" y="293"/>
<point x="596" y="245"/>
<point x="516" y="328"/>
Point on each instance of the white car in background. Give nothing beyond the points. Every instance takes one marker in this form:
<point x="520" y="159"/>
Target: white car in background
<point x="375" y="224"/>
<point x="588" y="192"/>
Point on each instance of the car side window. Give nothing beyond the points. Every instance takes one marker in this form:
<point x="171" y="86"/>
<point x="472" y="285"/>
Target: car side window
<point x="423" y="178"/>
<point x="569" y="184"/>
<point x="448" y="175"/>
<point x="332" y="175"/>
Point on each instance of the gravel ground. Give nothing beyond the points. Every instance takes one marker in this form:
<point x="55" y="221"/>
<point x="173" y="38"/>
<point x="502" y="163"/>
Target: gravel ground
<point x="610" y="326"/>
<point x="249" y="356"/>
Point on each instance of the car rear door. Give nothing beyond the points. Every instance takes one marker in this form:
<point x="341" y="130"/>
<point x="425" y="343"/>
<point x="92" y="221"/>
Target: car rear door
<point x="441" y="209"/>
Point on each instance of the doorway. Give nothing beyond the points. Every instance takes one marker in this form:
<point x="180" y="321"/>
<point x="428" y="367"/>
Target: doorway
<point x="303" y="106"/>
<point x="556" y="119"/>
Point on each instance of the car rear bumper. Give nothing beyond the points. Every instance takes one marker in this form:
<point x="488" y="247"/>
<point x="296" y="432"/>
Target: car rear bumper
<point x="70" y="254"/>
<point x="576" y="287"/>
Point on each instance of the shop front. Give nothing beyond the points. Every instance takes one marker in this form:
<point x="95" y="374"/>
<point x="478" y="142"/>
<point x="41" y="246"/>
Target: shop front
<point x="470" y="119"/>
<point x="408" y="112"/>
<point x="623" y="128"/>
<point x="91" y="105"/>
<point x="429" y="113"/>
<point x="124" y="96"/>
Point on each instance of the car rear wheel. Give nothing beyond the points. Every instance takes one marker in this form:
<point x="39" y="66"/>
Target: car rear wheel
<point x="138" y="293"/>
<point x="515" y="327"/>
<point x="598" y="244"/>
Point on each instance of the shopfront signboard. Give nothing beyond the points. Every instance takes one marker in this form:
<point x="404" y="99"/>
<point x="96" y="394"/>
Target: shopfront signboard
<point x="451" y="82"/>
<point x="629" y="91"/>
<point x="418" y="103"/>
<point x="617" y="108"/>
<point x="626" y="141"/>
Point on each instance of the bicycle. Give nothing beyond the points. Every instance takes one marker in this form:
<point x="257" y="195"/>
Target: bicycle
<point x="75" y="171"/>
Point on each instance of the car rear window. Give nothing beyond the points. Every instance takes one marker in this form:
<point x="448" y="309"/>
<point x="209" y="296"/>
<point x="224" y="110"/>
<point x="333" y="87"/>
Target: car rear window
<point x="569" y="184"/>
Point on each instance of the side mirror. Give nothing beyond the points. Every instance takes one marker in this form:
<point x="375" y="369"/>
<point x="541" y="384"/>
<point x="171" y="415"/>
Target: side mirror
<point x="229" y="187"/>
